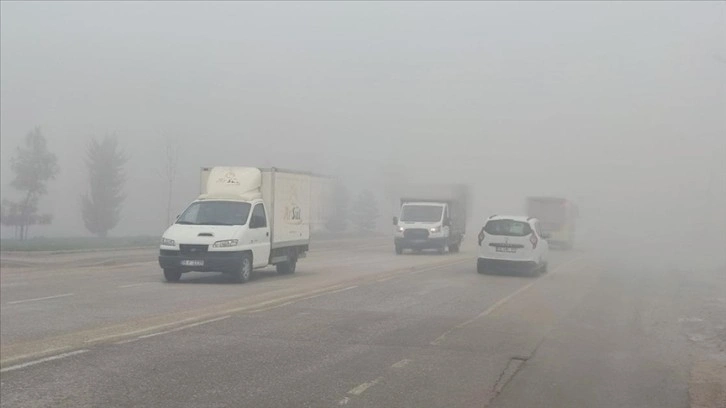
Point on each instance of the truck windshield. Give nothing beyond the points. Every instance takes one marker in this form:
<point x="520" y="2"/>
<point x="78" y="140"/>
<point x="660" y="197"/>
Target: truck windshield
<point x="421" y="213"/>
<point x="215" y="213"/>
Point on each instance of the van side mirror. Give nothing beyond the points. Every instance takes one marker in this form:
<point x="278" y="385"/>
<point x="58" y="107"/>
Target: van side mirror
<point x="395" y="220"/>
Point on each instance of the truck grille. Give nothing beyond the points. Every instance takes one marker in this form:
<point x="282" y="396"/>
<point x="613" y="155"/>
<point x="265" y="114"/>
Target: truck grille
<point x="416" y="233"/>
<point x="193" y="249"/>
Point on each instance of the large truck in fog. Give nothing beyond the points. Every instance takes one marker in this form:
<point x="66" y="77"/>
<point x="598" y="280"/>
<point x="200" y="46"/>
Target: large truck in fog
<point x="557" y="218"/>
<point x="244" y="218"/>
<point x="431" y="217"/>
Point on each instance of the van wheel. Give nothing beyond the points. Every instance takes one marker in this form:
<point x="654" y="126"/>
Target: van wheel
<point x="172" y="275"/>
<point x="244" y="273"/>
<point x="288" y="267"/>
<point x="399" y="250"/>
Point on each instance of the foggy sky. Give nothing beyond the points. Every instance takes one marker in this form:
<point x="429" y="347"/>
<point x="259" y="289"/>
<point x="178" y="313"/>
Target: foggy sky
<point x="621" y="107"/>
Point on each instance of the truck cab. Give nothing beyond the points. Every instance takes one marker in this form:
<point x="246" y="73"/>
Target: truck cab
<point x="217" y="235"/>
<point x="424" y="225"/>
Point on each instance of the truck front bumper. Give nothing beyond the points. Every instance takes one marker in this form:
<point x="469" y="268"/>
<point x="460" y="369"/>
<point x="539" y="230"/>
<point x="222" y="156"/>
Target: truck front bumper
<point x="423" y="243"/>
<point x="226" y="261"/>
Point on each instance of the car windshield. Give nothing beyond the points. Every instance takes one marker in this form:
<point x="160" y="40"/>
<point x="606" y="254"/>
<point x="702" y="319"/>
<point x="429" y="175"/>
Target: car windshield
<point x="510" y="228"/>
<point x="421" y="213"/>
<point x="215" y="213"/>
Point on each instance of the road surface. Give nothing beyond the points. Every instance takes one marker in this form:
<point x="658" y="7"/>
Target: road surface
<point x="358" y="326"/>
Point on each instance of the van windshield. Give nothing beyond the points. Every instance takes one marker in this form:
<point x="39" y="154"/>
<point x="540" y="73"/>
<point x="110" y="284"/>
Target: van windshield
<point x="215" y="213"/>
<point x="421" y="213"/>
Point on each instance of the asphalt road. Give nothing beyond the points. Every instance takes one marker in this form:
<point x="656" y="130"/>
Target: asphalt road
<point x="359" y="326"/>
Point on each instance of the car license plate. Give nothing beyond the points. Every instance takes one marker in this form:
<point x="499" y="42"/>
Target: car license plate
<point x="506" y="249"/>
<point x="192" y="262"/>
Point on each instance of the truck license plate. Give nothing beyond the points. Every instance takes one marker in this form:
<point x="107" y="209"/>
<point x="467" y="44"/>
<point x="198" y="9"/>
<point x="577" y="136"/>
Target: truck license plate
<point x="192" y="262"/>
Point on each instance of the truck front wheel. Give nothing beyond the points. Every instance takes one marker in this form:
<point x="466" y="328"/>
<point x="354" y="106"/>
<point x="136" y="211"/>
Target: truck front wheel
<point x="172" y="275"/>
<point x="244" y="273"/>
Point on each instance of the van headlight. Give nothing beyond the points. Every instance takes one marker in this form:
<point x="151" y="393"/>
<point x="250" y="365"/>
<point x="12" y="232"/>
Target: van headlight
<point x="435" y="229"/>
<point x="400" y="229"/>
<point x="226" y="243"/>
<point x="167" y="242"/>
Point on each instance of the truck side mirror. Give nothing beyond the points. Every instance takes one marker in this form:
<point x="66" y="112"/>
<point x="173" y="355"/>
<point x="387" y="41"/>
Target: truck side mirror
<point x="395" y="220"/>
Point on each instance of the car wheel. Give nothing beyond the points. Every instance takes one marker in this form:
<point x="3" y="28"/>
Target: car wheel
<point x="244" y="273"/>
<point x="172" y="275"/>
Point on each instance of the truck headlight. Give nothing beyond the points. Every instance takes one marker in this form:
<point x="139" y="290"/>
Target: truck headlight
<point x="435" y="229"/>
<point x="167" y="242"/>
<point x="226" y="243"/>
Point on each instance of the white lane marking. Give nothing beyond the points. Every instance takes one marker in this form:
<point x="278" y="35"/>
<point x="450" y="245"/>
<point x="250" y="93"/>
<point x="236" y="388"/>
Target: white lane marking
<point x="344" y="401"/>
<point x="136" y="284"/>
<point x="42" y="360"/>
<point x="189" y="326"/>
<point x="401" y="364"/>
<point x="385" y="279"/>
<point x="363" y="387"/>
<point x="15" y="302"/>
<point x="493" y="307"/>
<point x="301" y="299"/>
<point x="144" y="330"/>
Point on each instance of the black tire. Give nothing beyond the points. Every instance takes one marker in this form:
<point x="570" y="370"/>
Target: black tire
<point x="172" y="275"/>
<point x="442" y="250"/>
<point x="399" y="250"/>
<point x="286" y="268"/>
<point x="244" y="273"/>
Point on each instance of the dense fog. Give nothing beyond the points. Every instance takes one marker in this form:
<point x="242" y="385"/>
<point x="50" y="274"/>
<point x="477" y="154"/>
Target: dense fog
<point x="618" y="107"/>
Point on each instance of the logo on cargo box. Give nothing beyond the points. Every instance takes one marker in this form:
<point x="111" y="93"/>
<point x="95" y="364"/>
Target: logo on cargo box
<point x="229" y="178"/>
<point x="293" y="212"/>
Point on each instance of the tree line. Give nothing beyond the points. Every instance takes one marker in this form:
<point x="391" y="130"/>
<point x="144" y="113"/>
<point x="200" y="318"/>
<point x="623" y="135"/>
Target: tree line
<point x="34" y="166"/>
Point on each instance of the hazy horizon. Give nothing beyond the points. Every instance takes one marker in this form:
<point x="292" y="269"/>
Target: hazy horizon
<point x="620" y="107"/>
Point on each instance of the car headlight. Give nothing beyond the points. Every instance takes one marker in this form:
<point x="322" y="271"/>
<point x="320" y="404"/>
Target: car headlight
<point x="400" y="229"/>
<point x="435" y="229"/>
<point x="167" y="242"/>
<point x="226" y="243"/>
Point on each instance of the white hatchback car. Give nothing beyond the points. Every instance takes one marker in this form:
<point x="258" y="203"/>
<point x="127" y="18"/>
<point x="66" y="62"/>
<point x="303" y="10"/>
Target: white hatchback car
<point x="512" y="243"/>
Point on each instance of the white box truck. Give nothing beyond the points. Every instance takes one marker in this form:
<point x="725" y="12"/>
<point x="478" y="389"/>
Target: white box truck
<point x="431" y="217"/>
<point x="245" y="218"/>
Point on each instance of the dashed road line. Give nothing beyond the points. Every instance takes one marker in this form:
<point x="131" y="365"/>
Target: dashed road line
<point x="363" y="387"/>
<point x="15" y="302"/>
<point x="401" y="364"/>
<point x="494" y="307"/>
<point x="43" y="360"/>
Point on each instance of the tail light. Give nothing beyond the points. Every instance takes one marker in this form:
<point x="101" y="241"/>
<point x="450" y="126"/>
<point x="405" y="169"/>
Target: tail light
<point x="533" y="239"/>
<point x="481" y="236"/>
